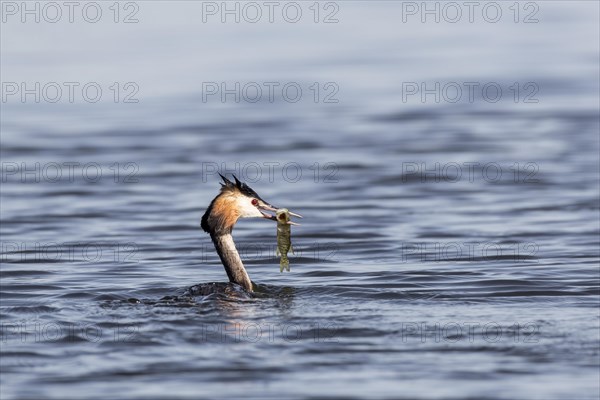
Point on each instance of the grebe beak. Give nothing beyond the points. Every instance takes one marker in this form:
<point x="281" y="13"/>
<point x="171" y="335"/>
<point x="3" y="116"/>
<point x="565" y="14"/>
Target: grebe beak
<point x="295" y="215"/>
<point x="269" y="207"/>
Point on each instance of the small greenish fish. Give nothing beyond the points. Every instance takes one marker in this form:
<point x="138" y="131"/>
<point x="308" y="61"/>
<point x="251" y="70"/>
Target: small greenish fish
<point x="284" y="238"/>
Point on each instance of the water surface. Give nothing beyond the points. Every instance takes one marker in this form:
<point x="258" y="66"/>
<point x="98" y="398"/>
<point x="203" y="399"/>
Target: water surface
<point x="449" y="250"/>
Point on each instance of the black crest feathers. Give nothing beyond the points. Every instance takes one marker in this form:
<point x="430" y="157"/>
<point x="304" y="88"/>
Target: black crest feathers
<point x="241" y="186"/>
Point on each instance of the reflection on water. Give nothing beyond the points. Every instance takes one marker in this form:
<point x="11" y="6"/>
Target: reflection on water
<point x="448" y="250"/>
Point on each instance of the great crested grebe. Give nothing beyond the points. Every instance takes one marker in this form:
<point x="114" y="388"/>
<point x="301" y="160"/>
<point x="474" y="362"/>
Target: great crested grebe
<point x="235" y="200"/>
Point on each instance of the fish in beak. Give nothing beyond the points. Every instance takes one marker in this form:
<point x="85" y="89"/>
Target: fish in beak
<point x="268" y="207"/>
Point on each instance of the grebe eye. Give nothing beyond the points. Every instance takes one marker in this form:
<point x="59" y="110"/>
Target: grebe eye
<point x="254" y="202"/>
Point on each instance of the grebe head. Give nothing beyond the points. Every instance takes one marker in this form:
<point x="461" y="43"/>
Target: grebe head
<point x="236" y="200"/>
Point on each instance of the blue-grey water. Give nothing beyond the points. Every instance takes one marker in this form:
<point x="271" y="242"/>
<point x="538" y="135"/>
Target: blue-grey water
<point x="449" y="246"/>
